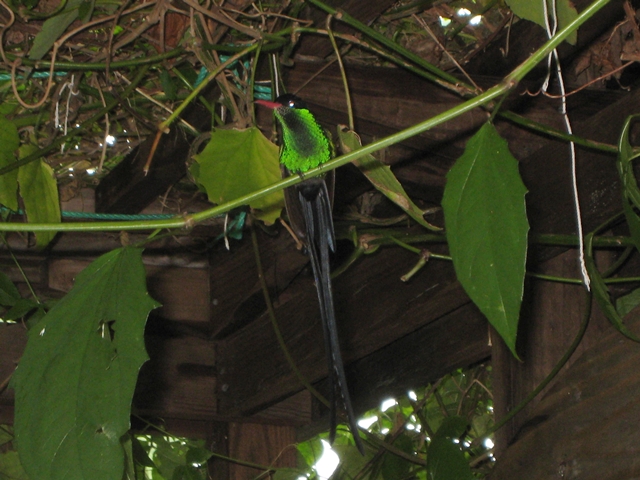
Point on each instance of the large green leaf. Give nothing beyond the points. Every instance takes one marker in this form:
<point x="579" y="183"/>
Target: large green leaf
<point x="533" y="10"/>
<point x="75" y="381"/>
<point x="9" y="143"/>
<point x="445" y="459"/>
<point x="237" y="162"/>
<point x="39" y="192"/>
<point x="487" y="229"/>
<point x="381" y="177"/>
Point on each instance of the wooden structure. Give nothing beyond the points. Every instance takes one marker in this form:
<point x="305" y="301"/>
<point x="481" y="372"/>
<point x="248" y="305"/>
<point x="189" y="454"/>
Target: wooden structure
<point x="216" y="368"/>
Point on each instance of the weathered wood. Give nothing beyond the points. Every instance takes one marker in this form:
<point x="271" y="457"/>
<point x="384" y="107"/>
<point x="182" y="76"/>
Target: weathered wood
<point x="364" y="11"/>
<point x="179" y="379"/>
<point x="13" y="338"/>
<point x="268" y="445"/>
<point x="373" y="308"/>
<point x="126" y="189"/>
<point x="550" y="210"/>
<point x="182" y="291"/>
<point x="586" y="426"/>
<point x="550" y="318"/>
<point x="526" y="37"/>
<point x="458" y="339"/>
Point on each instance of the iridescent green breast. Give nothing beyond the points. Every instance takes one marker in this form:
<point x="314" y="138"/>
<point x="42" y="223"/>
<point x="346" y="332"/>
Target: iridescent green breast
<point x="305" y="146"/>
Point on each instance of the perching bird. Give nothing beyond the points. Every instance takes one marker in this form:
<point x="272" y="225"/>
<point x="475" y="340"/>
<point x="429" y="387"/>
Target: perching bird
<point x="306" y="146"/>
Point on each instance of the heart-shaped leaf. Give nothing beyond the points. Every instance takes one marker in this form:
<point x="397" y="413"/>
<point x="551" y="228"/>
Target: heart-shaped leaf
<point x="237" y="162"/>
<point x="75" y="381"/>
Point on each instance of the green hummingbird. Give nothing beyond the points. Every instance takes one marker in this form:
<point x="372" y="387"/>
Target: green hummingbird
<point x="305" y="146"/>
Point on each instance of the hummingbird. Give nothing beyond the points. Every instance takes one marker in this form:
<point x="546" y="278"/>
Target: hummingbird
<point x="305" y="146"/>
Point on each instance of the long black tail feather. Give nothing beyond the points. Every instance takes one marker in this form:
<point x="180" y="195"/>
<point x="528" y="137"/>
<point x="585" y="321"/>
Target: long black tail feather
<point x="316" y="209"/>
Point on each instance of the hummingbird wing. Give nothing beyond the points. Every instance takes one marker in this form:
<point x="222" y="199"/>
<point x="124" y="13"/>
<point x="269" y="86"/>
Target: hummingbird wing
<point x="294" y="206"/>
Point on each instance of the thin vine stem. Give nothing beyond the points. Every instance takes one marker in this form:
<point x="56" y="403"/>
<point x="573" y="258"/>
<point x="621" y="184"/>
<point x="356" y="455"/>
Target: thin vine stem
<point x="274" y="322"/>
<point x="188" y="221"/>
<point x="86" y="125"/>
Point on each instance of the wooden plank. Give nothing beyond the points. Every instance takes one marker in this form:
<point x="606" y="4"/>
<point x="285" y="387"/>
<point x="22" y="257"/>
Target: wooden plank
<point x="458" y="339"/>
<point x="550" y="320"/>
<point x="179" y="379"/>
<point x="364" y="11"/>
<point x="268" y="445"/>
<point x="182" y="291"/>
<point x="236" y="295"/>
<point x="373" y="308"/>
<point x="586" y="426"/>
<point x="13" y="339"/>
<point x="126" y="189"/>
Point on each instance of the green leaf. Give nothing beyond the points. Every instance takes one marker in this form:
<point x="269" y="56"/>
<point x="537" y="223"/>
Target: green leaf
<point x="310" y="451"/>
<point x="237" y="162"/>
<point x="628" y="302"/>
<point x="487" y="228"/>
<point x="168" y="85"/>
<point x="445" y="461"/>
<point x="381" y="177"/>
<point x="351" y="461"/>
<point x="630" y="190"/>
<point x="534" y="11"/>
<point x="601" y="292"/>
<point x="10" y="467"/>
<point x="9" y="294"/>
<point x="139" y="454"/>
<point x="198" y="455"/>
<point x="6" y="434"/>
<point x="75" y="381"/>
<point x="452" y="427"/>
<point x="39" y="192"/>
<point x="394" y="467"/>
<point x="9" y="143"/>
<point x="20" y="308"/>
<point x="169" y="456"/>
<point x="289" y="474"/>
<point x="53" y="28"/>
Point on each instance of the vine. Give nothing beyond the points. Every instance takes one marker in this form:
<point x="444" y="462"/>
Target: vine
<point x="484" y="194"/>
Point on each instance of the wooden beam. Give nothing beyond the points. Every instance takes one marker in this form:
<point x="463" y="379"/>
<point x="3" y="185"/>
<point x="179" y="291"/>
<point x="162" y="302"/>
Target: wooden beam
<point x="364" y="11"/>
<point x="525" y="37"/>
<point x="126" y="189"/>
<point x="373" y="308"/>
<point x="456" y="340"/>
<point x="586" y="425"/>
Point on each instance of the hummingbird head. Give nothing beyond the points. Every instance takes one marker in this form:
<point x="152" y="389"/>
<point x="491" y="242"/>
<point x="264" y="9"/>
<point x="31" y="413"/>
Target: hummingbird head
<point x="284" y="103"/>
<point x="305" y="144"/>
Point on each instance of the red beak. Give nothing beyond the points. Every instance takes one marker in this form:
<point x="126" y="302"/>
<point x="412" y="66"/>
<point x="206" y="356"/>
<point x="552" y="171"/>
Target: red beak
<point x="266" y="103"/>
